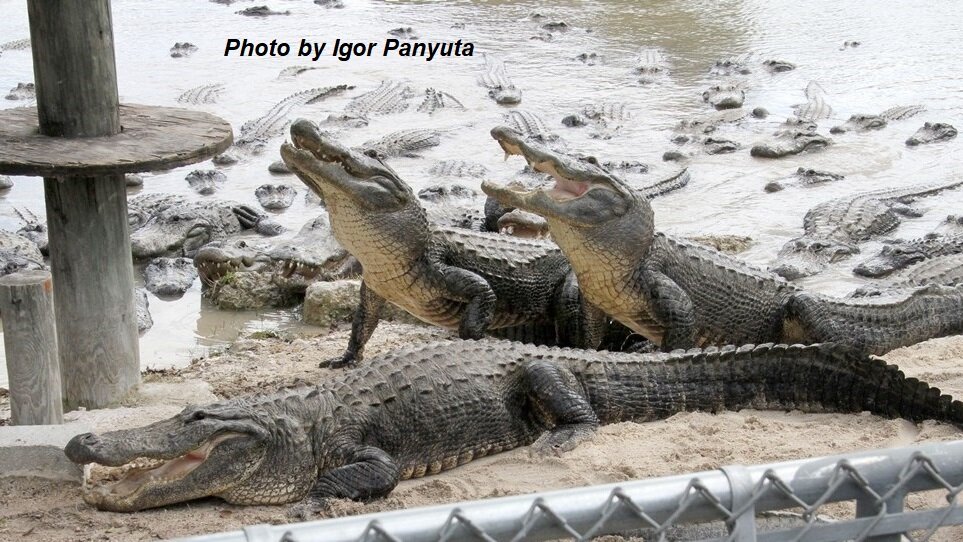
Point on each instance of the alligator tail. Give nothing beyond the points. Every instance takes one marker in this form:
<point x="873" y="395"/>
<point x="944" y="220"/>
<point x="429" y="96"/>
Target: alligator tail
<point x="811" y="378"/>
<point x="878" y="325"/>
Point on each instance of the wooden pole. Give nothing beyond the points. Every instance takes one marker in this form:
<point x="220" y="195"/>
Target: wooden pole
<point x="76" y="81"/>
<point x="30" y="343"/>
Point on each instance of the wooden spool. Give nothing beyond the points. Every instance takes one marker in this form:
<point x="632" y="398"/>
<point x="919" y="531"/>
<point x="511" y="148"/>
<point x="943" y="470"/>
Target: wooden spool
<point x="30" y="344"/>
<point x="82" y="142"/>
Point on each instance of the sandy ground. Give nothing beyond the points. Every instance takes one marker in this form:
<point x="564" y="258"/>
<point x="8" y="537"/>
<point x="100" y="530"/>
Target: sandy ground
<point x="33" y="509"/>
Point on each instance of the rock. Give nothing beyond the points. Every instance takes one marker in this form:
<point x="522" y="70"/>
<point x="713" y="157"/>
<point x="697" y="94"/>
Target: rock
<point x="279" y="168"/>
<point x="142" y="308"/>
<point x="225" y="159"/>
<point x="133" y="180"/>
<point x="5" y="183"/>
<point x="328" y="304"/>
<point x="246" y="291"/>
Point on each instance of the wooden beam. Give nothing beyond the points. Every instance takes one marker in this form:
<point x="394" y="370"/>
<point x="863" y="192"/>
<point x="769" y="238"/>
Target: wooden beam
<point x="30" y="344"/>
<point x="76" y="80"/>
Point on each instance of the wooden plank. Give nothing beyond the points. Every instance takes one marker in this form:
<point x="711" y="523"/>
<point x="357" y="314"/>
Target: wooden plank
<point x="93" y="288"/>
<point x="152" y="138"/>
<point x="30" y="344"/>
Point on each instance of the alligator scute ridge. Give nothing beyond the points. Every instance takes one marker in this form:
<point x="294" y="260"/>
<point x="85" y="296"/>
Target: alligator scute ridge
<point x="255" y="133"/>
<point x="203" y="94"/>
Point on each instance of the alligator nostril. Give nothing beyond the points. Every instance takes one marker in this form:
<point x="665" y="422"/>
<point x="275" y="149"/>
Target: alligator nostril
<point x="89" y="439"/>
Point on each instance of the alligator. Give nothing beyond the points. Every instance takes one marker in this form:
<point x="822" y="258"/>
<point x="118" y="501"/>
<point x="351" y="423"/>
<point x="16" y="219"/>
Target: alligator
<point x="946" y="270"/>
<point x="403" y="143"/>
<point x="457" y="168"/>
<point x="500" y="86"/>
<point x="864" y="123"/>
<point x="275" y="197"/>
<point x="651" y="65"/>
<point x="15" y="45"/>
<point x="182" y="50"/>
<point x="133" y="180"/>
<point x="389" y="98"/>
<point x="805" y="177"/>
<point x="833" y="228"/>
<point x="294" y="71"/>
<point x="255" y="134"/>
<point x="589" y="59"/>
<point x="472" y="282"/>
<point x="735" y="65"/>
<point x="678" y="294"/>
<point x="205" y="181"/>
<point x="6" y="183"/>
<point x="260" y="11"/>
<point x="284" y="267"/>
<point x="18" y="253"/>
<point x="724" y="96"/>
<point x="169" y="277"/>
<point x="166" y="225"/>
<point x="795" y="137"/>
<point x="429" y="408"/>
<point x="204" y="94"/>
<point x="436" y="100"/>
<point x="607" y="117"/>
<point x="33" y="229"/>
<point x="23" y="91"/>
<point x="142" y="310"/>
<point x="530" y="124"/>
<point x="446" y="192"/>
<point x="849" y="44"/>
<point x="330" y="4"/>
<point x="815" y="107"/>
<point x="278" y="167"/>
<point x="778" y="66"/>
<point x="404" y="32"/>
<point x="931" y="132"/>
<point x="718" y="145"/>
<point x="899" y="254"/>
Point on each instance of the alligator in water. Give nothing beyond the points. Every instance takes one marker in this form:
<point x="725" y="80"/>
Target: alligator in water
<point x="735" y="65"/>
<point x="500" y="86"/>
<point x="23" y="91"/>
<point x="725" y="96"/>
<point x="452" y="278"/>
<point x="275" y="197"/>
<point x="34" y="229"/>
<point x="778" y="66"/>
<point x="815" y="107"/>
<point x="255" y="134"/>
<point x="680" y="295"/>
<point x="530" y="124"/>
<point x="15" y="45"/>
<point x="261" y="11"/>
<point x="794" y="137"/>
<point x="436" y="100"/>
<point x="204" y="94"/>
<point x="805" y="177"/>
<point x="205" y="181"/>
<point x="166" y="225"/>
<point x="651" y="65"/>
<point x="865" y="123"/>
<point x="294" y="71"/>
<point x="899" y="254"/>
<point x="833" y="228"/>
<point x="403" y="142"/>
<point x="607" y="117"/>
<point x="181" y="50"/>
<point x="944" y="270"/>
<point x="430" y="408"/>
<point x="457" y="168"/>
<point x="169" y="277"/>
<point x="6" y="183"/>
<point x="931" y="132"/>
<point x="389" y="98"/>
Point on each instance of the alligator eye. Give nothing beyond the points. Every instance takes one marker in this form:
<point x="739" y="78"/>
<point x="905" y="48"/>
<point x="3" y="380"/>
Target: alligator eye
<point x="592" y="160"/>
<point x="371" y="153"/>
<point x="817" y="247"/>
<point x="241" y="244"/>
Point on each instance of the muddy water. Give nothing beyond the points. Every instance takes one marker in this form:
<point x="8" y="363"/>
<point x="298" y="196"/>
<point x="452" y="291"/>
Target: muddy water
<point x="909" y="55"/>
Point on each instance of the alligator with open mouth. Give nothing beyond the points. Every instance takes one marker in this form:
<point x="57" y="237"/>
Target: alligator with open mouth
<point x="832" y="229"/>
<point x="429" y="408"/>
<point x="169" y="225"/>
<point x="680" y="295"/>
<point x="472" y="282"/>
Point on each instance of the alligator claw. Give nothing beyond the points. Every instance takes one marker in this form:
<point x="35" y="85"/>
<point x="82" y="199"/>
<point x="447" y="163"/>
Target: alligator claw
<point x="563" y="438"/>
<point x="345" y="360"/>
<point x="309" y="508"/>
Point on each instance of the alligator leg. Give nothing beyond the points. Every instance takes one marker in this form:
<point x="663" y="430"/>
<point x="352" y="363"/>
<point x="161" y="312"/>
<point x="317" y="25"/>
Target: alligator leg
<point x="578" y="323"/>
<point x="468" y="287"/>
<point x="369" y="473"/>
<point x="672" y="308"/>
<point x="366" y="319"/>
<point x="556" y="394"/>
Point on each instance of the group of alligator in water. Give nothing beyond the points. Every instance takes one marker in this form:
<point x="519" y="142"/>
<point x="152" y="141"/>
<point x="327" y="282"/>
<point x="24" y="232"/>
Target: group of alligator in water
<point x="566" y="257"/>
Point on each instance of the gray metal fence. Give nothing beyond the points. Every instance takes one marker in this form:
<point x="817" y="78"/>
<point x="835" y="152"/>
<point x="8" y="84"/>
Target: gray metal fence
<point x="878" y="481"/>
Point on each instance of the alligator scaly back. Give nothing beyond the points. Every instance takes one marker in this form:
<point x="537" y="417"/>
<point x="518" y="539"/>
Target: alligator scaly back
<point x="436" y="100"/>
<point x="255" y="134"/>
<point x="204" y="94"/>
<point x="390" y="97"/>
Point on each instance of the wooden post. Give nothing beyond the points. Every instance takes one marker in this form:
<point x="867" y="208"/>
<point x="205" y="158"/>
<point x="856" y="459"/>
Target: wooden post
<point x="76" y="81"/>
<point x="30" y="343"/>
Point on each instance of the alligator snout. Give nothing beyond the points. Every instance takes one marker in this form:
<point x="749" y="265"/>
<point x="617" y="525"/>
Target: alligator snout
<point x="80" y="448"/>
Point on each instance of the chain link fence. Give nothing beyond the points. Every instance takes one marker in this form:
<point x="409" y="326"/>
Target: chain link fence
<point x="673" y="508"/>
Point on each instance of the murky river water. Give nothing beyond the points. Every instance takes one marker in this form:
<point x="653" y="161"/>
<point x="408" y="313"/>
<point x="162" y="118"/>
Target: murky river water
<point x="910" y="54"/>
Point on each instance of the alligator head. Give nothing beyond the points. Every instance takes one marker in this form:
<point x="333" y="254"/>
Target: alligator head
<point x="805" y="256"/>
<point x="932" y="132"/>
<point x="205" y="182"/>
<point x="169" y="276"/>
<point x="275" y="196"/>
<point x="587" y="208"/>
<point x="370" y="207"/>
<point x="216" y="260"/>
<point x="18" y="253"/>
<point x="725" y="96"/>
<point x="860" y="123"/>
<point x="178" y="230"/>
<point x="797" y="136"/>
<point x="892" y="257"/>
<point x="251" y="450"/>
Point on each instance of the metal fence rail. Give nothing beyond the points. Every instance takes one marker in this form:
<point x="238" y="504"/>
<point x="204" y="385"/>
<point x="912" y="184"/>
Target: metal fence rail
<point x="878" y="481"/>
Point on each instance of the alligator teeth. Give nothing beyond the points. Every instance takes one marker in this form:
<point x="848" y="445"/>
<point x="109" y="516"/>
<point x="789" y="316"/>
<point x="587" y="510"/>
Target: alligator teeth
<point x="507" y="155"/>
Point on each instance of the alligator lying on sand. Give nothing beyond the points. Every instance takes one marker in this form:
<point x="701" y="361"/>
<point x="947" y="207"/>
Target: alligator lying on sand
<point x="167" y="225"/>
<point x="900" y="254"/>
<point x="833" y="228"/>
<point x="456" y="279"/>
<point x="430" y="408"/>
<point x="680" y="295"/>
<point x="18" y="253"/>
<point x="931" y="132"/>
<point x="865" y="123"/>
